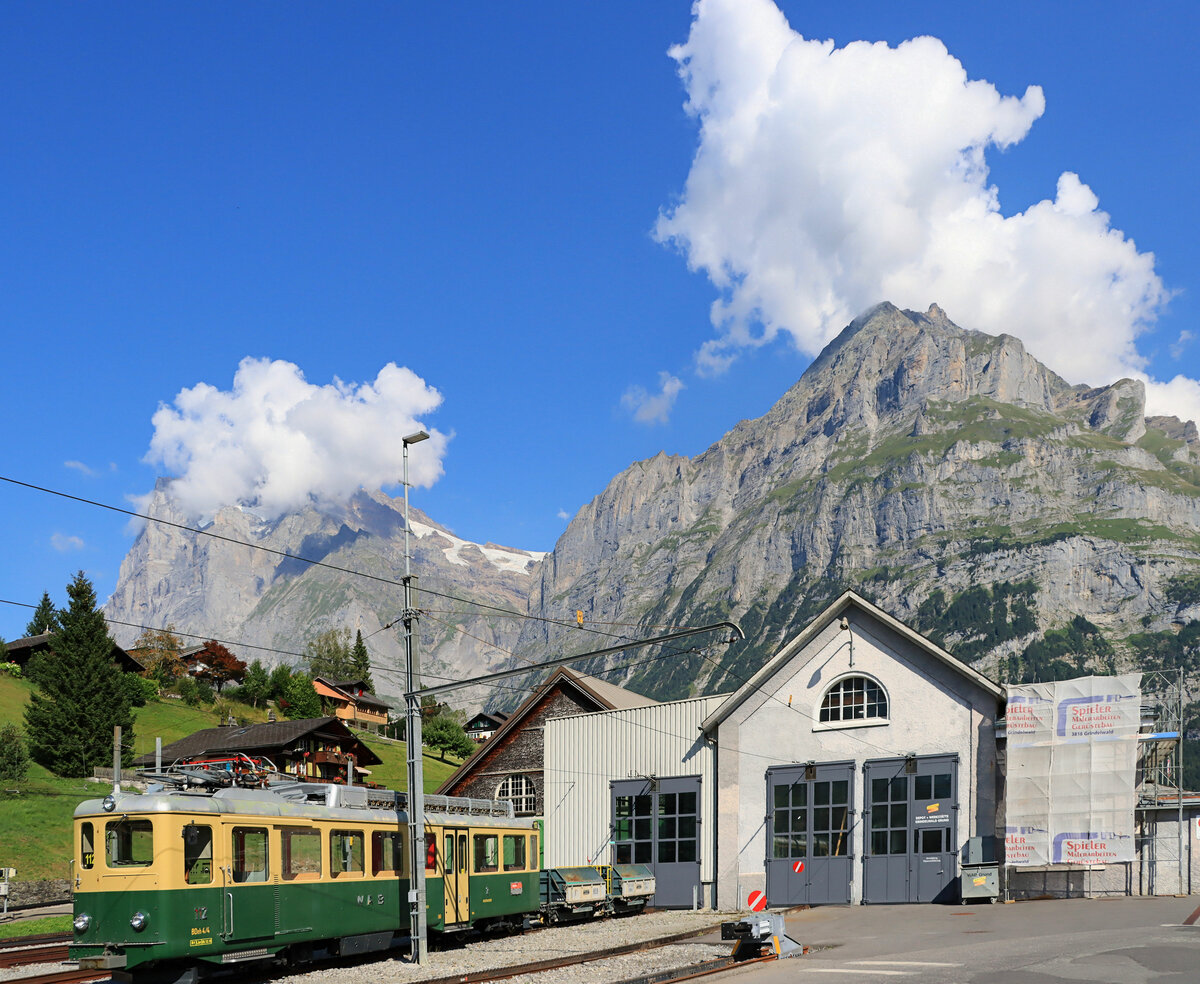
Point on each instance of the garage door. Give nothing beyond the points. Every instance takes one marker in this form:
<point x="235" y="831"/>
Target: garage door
<point x="911" y="821"/>
<point x="808" y="840"/>
<point x="657" y="822"/>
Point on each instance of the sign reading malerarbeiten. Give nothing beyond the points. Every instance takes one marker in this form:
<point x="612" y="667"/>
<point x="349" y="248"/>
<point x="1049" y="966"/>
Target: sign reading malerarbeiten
<point x="1072" y="756"/>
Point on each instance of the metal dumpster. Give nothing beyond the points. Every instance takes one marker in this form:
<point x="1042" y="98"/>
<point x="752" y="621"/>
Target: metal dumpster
<point x="980" y="874"/>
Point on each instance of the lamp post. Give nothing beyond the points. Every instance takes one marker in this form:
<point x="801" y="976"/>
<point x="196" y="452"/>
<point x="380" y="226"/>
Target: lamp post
<point x="416" y="779"/>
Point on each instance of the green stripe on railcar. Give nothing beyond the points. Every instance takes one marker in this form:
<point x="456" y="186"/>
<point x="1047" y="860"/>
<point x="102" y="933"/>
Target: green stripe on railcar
<point x="210" y="923"/>
<point x="504" y="893"/>
<point x="435" y="902"/>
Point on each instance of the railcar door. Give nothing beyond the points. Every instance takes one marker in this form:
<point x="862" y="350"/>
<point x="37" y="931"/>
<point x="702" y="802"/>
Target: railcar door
<point x="457" y="880"/>
<point x="248" y="908"/>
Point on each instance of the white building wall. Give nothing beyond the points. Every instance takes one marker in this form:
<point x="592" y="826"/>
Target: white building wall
<point x="933" y="709"/>
<point x="585" y="752"/>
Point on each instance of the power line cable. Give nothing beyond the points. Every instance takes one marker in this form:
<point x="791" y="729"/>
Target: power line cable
<point x="290" y="556"/>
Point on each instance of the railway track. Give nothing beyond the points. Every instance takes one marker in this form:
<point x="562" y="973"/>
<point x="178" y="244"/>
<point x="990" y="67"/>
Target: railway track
<point x="52" y="948"/>
<point x="22" y="950"/>
<point x="63" y="977"/>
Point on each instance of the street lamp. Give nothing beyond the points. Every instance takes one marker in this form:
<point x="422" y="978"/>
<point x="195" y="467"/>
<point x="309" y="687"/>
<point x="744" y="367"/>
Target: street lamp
<point x="416" y="779"/>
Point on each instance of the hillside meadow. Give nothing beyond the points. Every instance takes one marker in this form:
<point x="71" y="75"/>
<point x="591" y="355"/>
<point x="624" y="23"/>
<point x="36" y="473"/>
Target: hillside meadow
<point x="35" y="815"/>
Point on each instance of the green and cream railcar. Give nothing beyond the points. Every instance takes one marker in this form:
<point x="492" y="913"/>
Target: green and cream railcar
<point x="180" y="879"/>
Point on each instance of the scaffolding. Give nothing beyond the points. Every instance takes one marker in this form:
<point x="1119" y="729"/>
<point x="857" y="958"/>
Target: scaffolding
<point x="1160" y="782"/>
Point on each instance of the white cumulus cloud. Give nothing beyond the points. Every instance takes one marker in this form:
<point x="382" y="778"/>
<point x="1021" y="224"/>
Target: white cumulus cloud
<point x="63" y="542"/>
<point x="653" y="408"/>
<point x="828" y="179"/>
<point x="275" y="442"/>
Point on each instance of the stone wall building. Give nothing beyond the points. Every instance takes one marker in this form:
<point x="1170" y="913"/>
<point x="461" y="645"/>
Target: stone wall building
<point x="510" y="765"/>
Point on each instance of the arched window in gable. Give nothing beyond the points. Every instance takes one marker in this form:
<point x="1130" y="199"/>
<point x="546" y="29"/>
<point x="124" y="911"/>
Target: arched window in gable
<point x="854" y="698"/>
<point x="520" y="792"/>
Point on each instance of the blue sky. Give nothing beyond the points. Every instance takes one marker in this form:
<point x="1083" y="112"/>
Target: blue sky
<point x="472" y="191"/>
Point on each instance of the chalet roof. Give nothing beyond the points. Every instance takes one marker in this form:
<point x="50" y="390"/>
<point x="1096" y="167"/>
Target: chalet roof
<point x="618" y="698"/>
<point x="608" y="696"/>
<point x="346" y="688"/>
<point x="366" y="698"/>
<point x="847" y="600"/>
<point x="485" y="719"/>
<point x="19" y="651"/>
<point x="272" y="737"/>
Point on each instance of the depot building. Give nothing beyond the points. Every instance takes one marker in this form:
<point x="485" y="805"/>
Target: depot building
<point x="851" y="768"/>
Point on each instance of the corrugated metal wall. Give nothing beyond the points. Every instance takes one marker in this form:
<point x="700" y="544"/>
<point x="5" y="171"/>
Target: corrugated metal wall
<point x="585" y="752"/>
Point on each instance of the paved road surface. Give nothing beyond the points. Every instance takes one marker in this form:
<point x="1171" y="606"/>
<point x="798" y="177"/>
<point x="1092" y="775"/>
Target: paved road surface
<point x="1109" y="941"/>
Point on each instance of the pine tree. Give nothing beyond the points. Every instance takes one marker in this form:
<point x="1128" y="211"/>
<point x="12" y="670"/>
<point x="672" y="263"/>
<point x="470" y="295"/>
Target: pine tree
<point x="360" y="659"/>
<point x="45" y="617"/>
<point x="70" y="718"/>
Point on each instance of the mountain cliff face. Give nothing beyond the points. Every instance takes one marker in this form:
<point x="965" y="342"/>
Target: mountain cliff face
<point x="1033" y="528"/>
<point x="1030" y="526"/>
<point x="252" y="597"/>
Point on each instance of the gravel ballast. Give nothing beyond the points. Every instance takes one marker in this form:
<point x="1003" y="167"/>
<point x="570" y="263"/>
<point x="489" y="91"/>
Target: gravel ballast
<point x="531" y="947"/>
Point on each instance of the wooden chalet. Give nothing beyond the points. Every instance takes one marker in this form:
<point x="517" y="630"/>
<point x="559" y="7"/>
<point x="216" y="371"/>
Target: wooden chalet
<point x="20" y="651"/>
<point x="482" y="726"/>
<point x="353" y="703"/>
<point x="317" y="749"/>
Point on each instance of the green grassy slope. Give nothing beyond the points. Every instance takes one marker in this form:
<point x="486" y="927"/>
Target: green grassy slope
<point x="35" y="815"/>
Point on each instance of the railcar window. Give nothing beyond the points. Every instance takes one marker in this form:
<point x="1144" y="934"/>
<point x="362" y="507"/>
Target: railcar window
<point x="430" y="852"/>
<point x="487" y="852"/>
<point x="533" y="851"/>
<point x="387" y="853"/>
<point x="128" y="843"/>
<point x="345" y="852"/>
<point x="250" y="854"/>
<point x="197" y="854"/>
<point x="301" y="852"/>
<point x="514" y="853"/>
<point x="87" y="845"/>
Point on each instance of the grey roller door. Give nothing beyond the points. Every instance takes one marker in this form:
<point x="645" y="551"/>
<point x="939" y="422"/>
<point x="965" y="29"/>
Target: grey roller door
<point x="657" y="822"/>
<point x="809" y="821"/>
<point x="910" y="812"/>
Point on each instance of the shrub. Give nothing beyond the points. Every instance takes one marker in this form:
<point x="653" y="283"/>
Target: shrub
<point x="139" y="689"/>
<point x="14" y="759"/>
<point x="12" y="669"/>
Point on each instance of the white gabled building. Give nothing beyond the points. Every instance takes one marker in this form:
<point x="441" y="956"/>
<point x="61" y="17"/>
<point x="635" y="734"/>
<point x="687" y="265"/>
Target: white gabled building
<point x="852" y="767"/>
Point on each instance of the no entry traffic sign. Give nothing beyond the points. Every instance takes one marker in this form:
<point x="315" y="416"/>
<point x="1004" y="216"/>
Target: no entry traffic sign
<point x="798" y="867"/>
<point x="757" y="901"/>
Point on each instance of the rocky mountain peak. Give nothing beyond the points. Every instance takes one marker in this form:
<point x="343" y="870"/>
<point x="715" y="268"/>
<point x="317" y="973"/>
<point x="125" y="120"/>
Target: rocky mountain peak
<point x="911" y="455"/>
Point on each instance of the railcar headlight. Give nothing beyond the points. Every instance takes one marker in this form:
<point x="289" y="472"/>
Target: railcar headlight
<point x="109" y="803"/>
<point x="139" y="921"/>
<point x="82" y="922"/>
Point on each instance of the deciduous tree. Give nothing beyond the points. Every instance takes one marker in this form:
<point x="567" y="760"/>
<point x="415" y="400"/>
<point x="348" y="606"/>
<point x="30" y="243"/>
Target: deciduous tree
<point x="216" y="664"/>
<point x="71" y="715"/>
<point x="280" y="677"/>
<point x="444" y="735"/>
<point x="14" y="759"/>
<point x="301" y="698"/>
<point x="328" y="655"/>
<point x="256" y="684"/>
<point x="158" y="652"/>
